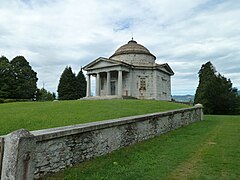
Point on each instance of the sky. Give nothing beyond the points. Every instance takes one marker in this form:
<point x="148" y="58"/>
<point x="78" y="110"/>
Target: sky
<point x="53" y="34"/>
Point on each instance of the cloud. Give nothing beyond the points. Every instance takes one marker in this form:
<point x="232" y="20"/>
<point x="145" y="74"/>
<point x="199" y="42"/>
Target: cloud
<point x="53" y="34"/>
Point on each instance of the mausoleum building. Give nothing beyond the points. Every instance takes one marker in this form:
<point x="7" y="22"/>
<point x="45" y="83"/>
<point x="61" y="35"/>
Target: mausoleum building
<point x="130" y="72"/>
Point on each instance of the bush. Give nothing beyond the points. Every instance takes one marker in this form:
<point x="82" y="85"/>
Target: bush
<point x="10" y="100"/>
<point x="14" y="100"/>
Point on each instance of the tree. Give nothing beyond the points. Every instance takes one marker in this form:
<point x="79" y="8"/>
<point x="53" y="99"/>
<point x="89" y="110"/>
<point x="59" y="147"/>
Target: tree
<point x="71" y="86"/>
<point x="5" y="77"/>
<point x="67" y="85"/>
<point x="17" y="79"/>
<point x="228" y="100"/>
<point x="54" y="95"/>
<point x="44" y="95"/>
<point x="205" y="93"/>
<point x="24" y="85"/>
<point x="215" y="92"/>
<point x="82" y="84"/>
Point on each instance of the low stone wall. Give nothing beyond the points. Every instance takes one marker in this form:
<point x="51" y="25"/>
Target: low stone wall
<point x="1" y="153"/>
<point x="38" y="153"/>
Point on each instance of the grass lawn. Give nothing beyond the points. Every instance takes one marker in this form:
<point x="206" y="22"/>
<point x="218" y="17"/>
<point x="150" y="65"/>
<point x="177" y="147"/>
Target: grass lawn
<point x="41" y="115"/>
<point x="204" y="150"/>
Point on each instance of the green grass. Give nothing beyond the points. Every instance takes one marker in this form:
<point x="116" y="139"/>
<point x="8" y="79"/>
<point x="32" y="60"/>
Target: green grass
<point x="209" y="149"/>
<point x="40" y="115"/>
<point x="203" y="150"/>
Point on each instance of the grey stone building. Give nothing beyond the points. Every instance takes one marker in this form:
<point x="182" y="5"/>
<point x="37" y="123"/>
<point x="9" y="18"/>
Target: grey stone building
<point x="130" y="71"/>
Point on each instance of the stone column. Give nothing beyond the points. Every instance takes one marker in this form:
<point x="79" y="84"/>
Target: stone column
<point x="19" y="154"/>
<point x="108" y="83"/>
<point x="98" y="85"/>
<point x="130" y="93"/>
<point x="88" y="93"/>
<point x="200" y="106"/>
<point x="119" y="83"/>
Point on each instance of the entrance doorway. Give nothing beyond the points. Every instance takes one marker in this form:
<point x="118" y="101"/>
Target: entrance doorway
<point x="113" y="87"/>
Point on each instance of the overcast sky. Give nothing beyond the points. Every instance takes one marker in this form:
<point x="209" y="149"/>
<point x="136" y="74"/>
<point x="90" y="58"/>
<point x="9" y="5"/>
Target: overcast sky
<point x="53" y="34"/>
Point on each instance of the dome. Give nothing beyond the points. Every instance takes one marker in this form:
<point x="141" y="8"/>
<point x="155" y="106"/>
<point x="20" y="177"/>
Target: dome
<point x="132" y="47"/>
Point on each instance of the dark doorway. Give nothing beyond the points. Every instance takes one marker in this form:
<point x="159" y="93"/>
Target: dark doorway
<point x="113" y="87"/>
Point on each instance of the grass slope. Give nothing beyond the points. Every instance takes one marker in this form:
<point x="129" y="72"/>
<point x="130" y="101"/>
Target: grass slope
<point x="40" y="115"/>
<point x="203" y="150"/>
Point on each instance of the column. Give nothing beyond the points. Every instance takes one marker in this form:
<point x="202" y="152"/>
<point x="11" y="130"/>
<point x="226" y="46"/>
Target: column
<point x="120" y="83"/>
<point x="88" y="93"/>
<point x="108" y="83"/>
<point x="130" y="93"/>
<point x="98" y="85"/>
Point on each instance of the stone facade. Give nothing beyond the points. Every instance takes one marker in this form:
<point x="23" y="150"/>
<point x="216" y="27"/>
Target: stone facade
<point x="130" y="71"/>
<point x="47" y="151"/>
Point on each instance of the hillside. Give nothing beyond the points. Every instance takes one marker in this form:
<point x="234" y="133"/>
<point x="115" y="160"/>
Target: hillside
<point x="41" y="115"/>
<point x="183" y="98"/>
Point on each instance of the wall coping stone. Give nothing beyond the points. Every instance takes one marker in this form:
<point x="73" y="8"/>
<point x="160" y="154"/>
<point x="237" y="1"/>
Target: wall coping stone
<point x="52" y="133"/>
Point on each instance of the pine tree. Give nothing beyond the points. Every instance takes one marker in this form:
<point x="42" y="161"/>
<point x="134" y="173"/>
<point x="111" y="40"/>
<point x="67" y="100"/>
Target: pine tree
<point x="205" y="92"/>
<point x="67" y="85"/>
<point x="228" y="100"/>
<point x="215" y="92"/>
<point x="82" y="84"/>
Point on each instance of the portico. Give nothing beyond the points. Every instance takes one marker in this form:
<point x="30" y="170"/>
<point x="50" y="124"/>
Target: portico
<point x="107" y="83"/>
<point x="108" y="76"/>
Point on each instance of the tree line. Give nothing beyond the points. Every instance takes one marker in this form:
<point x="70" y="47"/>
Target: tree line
<point x="18" y="81"/>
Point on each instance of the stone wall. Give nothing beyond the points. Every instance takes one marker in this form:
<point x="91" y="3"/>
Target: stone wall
<point x="136" y="59"/>
<point x="54" y="149"/>
<point x="158" y="84"/>
<point x="1" y="153"/>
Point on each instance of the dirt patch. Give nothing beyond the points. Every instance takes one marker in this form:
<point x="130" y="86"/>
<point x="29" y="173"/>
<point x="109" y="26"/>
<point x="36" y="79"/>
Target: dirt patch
<point x="211" y="143"/>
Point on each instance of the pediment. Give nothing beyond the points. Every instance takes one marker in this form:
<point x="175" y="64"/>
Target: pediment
<point x="165" y="67"/>
<point x="101" y="63"/>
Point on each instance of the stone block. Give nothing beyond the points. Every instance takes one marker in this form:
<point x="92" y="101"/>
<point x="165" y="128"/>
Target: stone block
<point x="18" y="159"/>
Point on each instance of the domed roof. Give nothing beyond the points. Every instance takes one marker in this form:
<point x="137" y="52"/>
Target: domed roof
<point x="132" y="47"/>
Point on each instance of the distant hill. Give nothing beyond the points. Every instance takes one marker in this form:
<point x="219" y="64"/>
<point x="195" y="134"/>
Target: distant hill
<point x="183" y="98"/>
<point x="187" y="98"/>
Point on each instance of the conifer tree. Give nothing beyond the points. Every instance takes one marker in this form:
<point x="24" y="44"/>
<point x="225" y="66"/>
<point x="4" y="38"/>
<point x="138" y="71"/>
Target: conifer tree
<point x="215" y="92"/>
<point x="82" y="84"/>
<point x="67" y="85"/>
